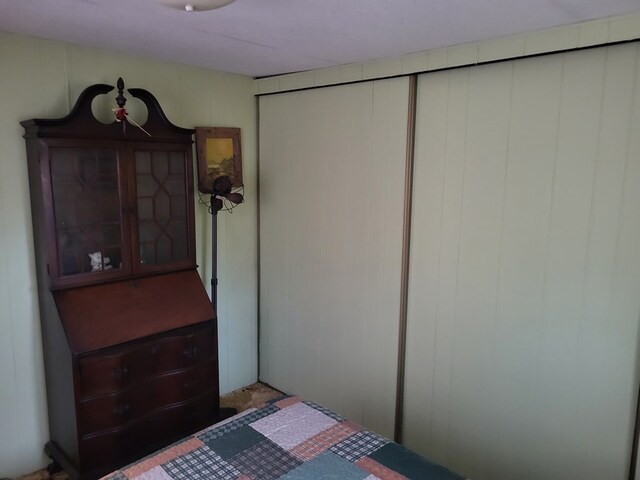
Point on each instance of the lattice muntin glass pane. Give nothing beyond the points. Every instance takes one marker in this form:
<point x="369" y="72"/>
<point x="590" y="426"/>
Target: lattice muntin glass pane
<point x="162" y="209"/>
<point x="86" y="209"/>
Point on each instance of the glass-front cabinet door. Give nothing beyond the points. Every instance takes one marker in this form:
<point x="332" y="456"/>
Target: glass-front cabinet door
<point x="117" y="211"/>
<point x="163" y="217"/>
<point x="110" y="201"/>
<point x="87" y="214"/>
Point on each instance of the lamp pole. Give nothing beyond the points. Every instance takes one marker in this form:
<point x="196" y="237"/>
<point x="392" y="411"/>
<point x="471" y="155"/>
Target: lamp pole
<point x="214" y="260"/>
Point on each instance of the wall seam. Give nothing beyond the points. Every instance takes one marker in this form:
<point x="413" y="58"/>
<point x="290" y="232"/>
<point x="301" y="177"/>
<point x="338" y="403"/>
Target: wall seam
<point x="636" y="429"/>
<point x="406" y="244"/>
<point x="258" y="258"/>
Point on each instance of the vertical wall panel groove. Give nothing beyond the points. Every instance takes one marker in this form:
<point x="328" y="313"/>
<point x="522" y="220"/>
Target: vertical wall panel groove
<point x="406" y="248"/>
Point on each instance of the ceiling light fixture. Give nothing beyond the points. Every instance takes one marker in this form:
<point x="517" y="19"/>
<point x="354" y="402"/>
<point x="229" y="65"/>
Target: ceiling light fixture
<point x="195" y="5"/>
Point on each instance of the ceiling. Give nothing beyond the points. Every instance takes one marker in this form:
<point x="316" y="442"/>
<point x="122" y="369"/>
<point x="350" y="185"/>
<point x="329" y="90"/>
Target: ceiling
<point x="269" y="37"/>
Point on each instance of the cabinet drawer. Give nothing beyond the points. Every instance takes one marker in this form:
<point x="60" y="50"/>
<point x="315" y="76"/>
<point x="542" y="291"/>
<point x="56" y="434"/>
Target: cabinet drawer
<point x="121" y="446"/>
<point x="118" y="368"/>
<point x="105" y="412"/>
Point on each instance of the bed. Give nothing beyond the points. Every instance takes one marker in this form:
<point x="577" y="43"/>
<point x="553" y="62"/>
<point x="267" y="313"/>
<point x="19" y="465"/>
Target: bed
<point x="285" y="439"/>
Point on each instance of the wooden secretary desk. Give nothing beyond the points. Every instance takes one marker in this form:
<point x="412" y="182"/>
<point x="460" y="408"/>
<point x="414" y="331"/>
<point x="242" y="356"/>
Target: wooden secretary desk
<point x="129" y="333"/>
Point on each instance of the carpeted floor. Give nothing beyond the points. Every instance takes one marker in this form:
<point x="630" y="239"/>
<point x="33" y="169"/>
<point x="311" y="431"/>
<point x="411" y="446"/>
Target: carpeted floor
<point x="249" y="397"/>
<point x="242" y="399"/>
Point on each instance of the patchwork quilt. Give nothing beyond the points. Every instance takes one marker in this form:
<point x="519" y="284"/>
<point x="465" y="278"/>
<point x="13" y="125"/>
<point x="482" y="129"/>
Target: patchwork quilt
<point x="286" y="439"/>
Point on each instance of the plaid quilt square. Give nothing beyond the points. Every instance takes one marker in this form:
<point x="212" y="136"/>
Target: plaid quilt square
<point x="381" y="472"/>
<point x="293" y="425"/>
<point x="235" y="442"/>
<point x="162" y="456"/>
<point x="264" y="461"/>
<point x="413" y="466"/>
<point x="156" y="473"/>
<point x="200" y="464"/>
<point x="359" y="445"/>
<point x="327" y="466"/>
<point x="323" y="441"/>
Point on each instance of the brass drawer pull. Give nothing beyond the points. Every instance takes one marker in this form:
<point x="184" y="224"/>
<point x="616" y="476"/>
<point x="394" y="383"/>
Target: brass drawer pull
<point x="190" y="352"/>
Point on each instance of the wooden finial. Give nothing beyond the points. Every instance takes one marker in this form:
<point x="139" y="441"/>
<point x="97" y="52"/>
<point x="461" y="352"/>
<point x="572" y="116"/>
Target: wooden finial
<point x="121" y="100"/>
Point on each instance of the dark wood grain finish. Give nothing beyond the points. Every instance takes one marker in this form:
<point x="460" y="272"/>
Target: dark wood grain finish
<point x="114" y="369"/>
<point x="81" y="132"/>
<point x="122" y="445"/>
<point x="131" y="353"/>
<point x="81" y="123"/>
<point x="100" y="316"/>
<point x="131" y="265"/>
<point x="117" y="409"/>
<point x="136" y="397"/>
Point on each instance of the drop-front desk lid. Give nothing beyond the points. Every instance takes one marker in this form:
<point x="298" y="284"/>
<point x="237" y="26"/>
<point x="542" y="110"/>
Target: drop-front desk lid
<point x="100" y="316"/>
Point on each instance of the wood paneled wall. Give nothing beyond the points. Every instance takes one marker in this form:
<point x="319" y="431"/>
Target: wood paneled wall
<point x="331" y="199"/>
<point x="524" y="282"/>
<point x="524" y="297"/>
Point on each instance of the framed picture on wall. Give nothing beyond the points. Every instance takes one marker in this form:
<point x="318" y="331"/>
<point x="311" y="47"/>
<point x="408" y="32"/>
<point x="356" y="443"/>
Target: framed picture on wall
<point x="218" y="153"/>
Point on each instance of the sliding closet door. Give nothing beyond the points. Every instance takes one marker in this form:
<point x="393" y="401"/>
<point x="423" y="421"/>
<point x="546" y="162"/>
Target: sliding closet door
<point x="331" y="203"/>
<point x="524" y="294"/>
